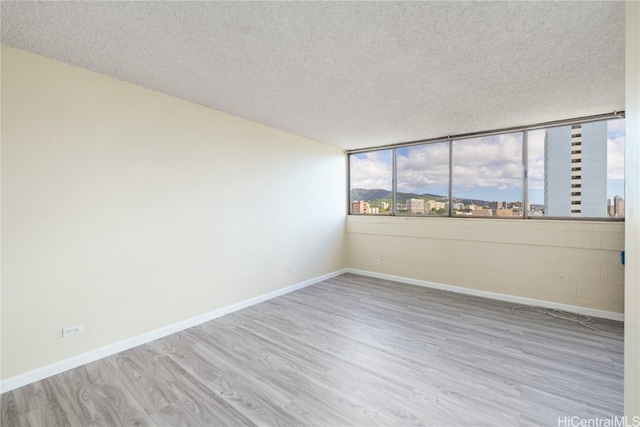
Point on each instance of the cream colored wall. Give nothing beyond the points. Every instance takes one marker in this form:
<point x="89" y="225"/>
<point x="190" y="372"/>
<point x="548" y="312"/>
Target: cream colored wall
<point x="127" y="210"/>
<point x="632" y="213"/>
<point x="566" y="262"/>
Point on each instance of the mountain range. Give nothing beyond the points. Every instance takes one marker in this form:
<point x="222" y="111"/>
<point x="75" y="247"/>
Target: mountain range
<point x="378" y="194"/>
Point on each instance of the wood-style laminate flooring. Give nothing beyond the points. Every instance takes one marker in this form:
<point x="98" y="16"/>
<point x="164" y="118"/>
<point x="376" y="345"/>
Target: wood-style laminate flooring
<point x="349" y="351"/>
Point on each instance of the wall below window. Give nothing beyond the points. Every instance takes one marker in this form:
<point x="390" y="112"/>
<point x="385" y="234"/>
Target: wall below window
<point x="127" y="210"/>
<point x="565" y="262"/>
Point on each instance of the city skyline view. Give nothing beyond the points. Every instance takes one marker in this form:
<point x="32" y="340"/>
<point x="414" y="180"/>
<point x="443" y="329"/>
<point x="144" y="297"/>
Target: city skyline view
<point x="486" y="168"/>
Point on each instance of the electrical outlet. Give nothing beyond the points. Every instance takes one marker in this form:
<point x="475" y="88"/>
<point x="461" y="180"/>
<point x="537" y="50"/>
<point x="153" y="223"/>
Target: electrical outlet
<point x="376" y="261"/>
<point x="71" y="330"/>
<point x="292" y="271"/>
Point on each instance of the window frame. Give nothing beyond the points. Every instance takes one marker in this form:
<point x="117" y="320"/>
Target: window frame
<point x="451" y="138"/>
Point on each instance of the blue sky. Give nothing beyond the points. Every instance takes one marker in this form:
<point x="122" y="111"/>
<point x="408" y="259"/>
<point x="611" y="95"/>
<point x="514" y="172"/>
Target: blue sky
<point x="487" y="168"/>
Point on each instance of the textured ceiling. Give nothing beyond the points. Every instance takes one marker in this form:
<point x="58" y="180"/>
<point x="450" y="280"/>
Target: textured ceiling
<point x="349" y="74"/>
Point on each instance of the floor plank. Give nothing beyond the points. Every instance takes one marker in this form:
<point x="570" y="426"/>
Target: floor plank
<point x="351" y="350"/>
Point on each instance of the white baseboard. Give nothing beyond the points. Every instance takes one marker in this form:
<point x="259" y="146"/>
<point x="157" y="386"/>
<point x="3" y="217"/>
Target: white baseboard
<point x="592" y="312"/>
<point x="111" y="349"/>
<point x="82" y="359"/>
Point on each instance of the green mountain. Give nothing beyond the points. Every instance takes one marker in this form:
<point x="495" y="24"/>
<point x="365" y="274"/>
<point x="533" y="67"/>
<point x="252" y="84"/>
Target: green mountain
<point x="369" y="195"/>
<point x="377" y="194"/>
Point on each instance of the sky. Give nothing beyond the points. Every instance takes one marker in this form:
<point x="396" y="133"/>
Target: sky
<point x="488" y="168"/>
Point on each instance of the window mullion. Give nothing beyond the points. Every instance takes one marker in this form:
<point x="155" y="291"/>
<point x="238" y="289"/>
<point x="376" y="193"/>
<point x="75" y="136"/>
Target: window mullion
<point x="394" y="183"/>
<point x="450" y="178"/>
<point x="525" y="174"/>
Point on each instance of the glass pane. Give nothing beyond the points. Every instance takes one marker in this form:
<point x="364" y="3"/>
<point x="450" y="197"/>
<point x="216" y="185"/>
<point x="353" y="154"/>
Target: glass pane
<point x="370" y="186"/>
<point x="577" y="170"/>
<point x="616" y="138"/>
<point x="423" y="179"/>
<point x="536" y="173"/>
<point x="487" y="176"/>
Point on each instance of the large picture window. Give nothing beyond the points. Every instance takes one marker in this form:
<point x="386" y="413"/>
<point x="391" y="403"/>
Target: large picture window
<point x="423" y="179"/>
<point x="371" y="178"/>
<point x="575" y="170"/>
<point x="487" y="176"/>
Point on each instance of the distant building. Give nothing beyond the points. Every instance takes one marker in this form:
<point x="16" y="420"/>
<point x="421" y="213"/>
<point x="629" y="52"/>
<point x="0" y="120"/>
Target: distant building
<point x="618" y="206"/>
<point x="502" y="212"/>
<point x="384" y="205"/>
<point x="481" y="212"/>
<point x="575" y="170"/>
<point x="433" y="204"/>
<point x="610" y="208"/>
<point x="359" y="207"/>
<point x="415" y="205"/>
<point x="458" y="205"/>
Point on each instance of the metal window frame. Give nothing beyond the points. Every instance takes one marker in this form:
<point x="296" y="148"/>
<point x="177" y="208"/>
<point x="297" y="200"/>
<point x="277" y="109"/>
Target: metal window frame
<point x="459" y="137"/>
<point x="525" y="174"/>
<point x="394" y="183"/>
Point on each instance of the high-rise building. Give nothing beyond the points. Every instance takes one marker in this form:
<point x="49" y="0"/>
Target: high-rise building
<point x="415" y="205"/>
<point x="575" y="169"/>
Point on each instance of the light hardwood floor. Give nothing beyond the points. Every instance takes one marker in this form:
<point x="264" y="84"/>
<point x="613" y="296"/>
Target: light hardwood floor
<point x="351" y="351"/>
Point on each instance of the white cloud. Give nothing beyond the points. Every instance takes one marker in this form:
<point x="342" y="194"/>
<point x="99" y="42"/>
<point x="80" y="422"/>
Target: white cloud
<point x="488" y="162"/>
<point x="423" y="167"/>
<point x="536" y="159"/>
<point x="371" y="170"/>
<point x="615" y="149"/>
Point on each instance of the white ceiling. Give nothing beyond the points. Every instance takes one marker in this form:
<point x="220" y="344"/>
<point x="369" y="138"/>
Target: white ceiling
<point x="349" y="74"/>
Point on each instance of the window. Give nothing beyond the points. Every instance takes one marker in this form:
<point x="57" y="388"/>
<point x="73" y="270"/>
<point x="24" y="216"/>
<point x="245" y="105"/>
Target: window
<point x="423" y="179"/>
<point x="487" y="176"/>
<point x="371" y="182"/>
<point x="591" y="168"/>
<point x="615" y="167"/>
<point x="571" y="171"/>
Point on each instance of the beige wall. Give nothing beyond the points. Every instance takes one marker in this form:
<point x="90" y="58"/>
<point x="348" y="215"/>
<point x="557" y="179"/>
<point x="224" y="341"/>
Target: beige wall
<point x="632" y="213"/>
<point x="565" y="262"/>
<point x="127" y="210"/>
